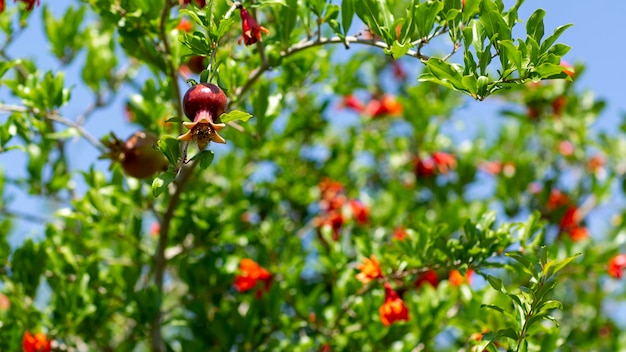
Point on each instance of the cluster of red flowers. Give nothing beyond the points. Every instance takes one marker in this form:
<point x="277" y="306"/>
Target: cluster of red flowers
<point x="385" y="105"/>
<point x="393" y="308"/>
<point x="437" y="163"/>
<point x="571" y="218"/>
<point x="334" y="204"/>
<point x="36" y="343"/>
<point x="250" y="273"/>
<point x="30" y="4"/>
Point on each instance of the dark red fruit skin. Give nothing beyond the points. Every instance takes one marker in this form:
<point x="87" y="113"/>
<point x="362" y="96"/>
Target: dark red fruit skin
<point x="140" y="159"/>
<point x="196" y="64"/>
<point x="204" y="97"/>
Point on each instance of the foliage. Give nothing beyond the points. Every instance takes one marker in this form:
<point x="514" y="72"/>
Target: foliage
<point x="341" y="189"/>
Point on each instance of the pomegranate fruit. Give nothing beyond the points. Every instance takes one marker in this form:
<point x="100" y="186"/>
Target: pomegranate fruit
<point x="136" y="155"/>
<point x="203" y="104"/>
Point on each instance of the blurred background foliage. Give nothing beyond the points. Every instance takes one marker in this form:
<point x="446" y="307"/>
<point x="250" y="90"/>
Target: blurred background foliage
<point x="347" y="157"/>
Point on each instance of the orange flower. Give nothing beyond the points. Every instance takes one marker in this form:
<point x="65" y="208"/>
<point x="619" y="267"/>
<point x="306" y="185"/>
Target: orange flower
<point x="250" y="28"/>
<point x="184" y="25"/>
<point x="568" y="68"/>
<point x="386" y="105"/>
<point x="578" y="233"/>
<point x="332" y="197"/>
<point x="35" y="343"/>
<point x="445" y="162"/>
<point x="616" y="266"/>
<point x="251" y="274"/>
<point x="360" y="212"/>
<point x="456" y="279"/>
<point x="428" y="277"/>
<point x="393" y="309"/>
<point x="596" y="163"/>
<point x="370" y="270"/>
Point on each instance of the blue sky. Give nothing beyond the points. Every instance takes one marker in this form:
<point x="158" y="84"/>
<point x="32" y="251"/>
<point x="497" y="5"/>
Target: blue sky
<point x="593" y="38"/>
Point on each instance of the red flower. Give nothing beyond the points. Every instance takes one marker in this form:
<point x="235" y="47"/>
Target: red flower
<point x="332" y="197"/>
<point x="400" y="233"/>
<point x="35" y="343"/>
<point x="1" y="6"/>
<point x="456" y="279"/>
<point x="557" y="199"/>
<point x="428" y="277"/>
<point x="360" y="212"/>
<point x="250" y="28"/>
<point x="445" y="162"/>
<point x="393" y="309"/>
<point x="438" y="162"/>
<point x="370" y="270"/>
<point x="617" y="265"/>
<point x="424" y="167"/>
<point x="570" y="219"/>
<point x="251" y="274"/>
<point x="352" y="102"/>
<point x="334" y="219"/>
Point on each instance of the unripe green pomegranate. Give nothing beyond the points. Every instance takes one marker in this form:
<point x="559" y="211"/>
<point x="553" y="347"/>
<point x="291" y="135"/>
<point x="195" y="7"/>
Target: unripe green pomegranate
<point x="137" y="155"/>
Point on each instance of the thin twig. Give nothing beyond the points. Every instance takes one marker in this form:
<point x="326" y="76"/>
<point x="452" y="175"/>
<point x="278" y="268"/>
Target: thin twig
<point x="80" y="129"/>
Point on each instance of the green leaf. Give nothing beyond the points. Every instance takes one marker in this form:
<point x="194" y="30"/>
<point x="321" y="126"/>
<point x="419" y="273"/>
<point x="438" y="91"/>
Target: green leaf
<point x="493" y="22"/>
<point x="550" y="71"/>
<point x="170" y="147"/>
<point x="554" y="266"/>
<point x="496" y="283"/>
<point x="160" y="183"/>
<point x="534" y="27"/>
<point x="398" y="50"/>
<point x="347" y="14"/>
<point x="551" y="39"/>
<point x="425" y="15"/>
<point x="445" y="73"/>
<point x="235" y="115"/>
<point x="205" y="157"/>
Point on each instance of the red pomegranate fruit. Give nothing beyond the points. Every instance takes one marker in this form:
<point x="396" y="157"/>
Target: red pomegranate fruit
<point x="203" y="104"/>
<point x="137" y="155"/>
